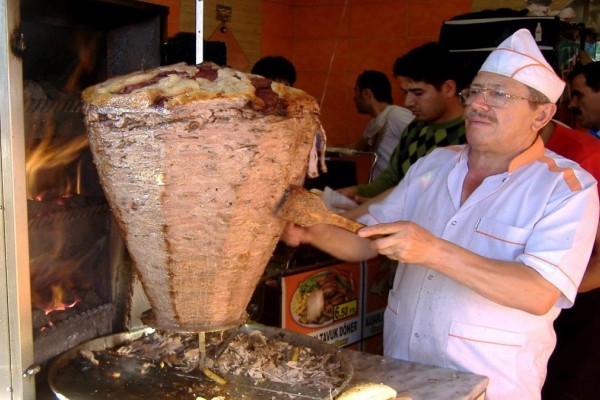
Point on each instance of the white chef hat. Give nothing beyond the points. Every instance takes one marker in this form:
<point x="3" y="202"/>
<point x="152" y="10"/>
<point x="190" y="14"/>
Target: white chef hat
<point x="519" y="57"/>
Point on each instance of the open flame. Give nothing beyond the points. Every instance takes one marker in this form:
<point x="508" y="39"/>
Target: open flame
<point x="57" y="136"/>
<point x="49" y="272"/>
<point x="47" y="165"/>
<point x="58" y="299"/>
<point x="63" y="249"/>
<point x="53" y="172"/>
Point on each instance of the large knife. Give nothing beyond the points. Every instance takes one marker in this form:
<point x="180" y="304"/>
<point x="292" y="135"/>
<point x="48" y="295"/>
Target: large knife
<point x="305" y="208"/>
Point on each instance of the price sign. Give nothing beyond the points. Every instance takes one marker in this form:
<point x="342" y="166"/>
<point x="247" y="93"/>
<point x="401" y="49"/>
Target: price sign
<point x="345" y="310"/>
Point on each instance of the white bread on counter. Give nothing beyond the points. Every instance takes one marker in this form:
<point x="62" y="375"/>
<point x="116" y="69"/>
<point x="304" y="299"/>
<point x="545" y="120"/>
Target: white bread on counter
<point x="369" y="391"/>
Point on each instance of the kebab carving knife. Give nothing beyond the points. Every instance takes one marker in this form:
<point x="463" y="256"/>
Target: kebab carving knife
<point x="305" y="208"/>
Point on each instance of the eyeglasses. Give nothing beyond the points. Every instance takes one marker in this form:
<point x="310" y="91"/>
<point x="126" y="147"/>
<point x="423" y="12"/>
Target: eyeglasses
<point x="491" y="97"/>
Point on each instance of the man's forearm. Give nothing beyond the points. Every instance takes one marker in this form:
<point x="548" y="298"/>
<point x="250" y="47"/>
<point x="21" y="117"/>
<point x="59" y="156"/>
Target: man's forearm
<point x="341" y="244"/>
<point x="507" y="283"/>
<point x="510" y="284"/>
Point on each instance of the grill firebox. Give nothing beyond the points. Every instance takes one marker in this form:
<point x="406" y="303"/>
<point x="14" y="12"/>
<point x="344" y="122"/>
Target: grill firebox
<point x="68" y="276"/>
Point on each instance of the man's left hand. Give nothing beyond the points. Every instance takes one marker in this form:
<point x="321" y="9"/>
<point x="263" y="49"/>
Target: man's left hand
<point x="402" y="241"/>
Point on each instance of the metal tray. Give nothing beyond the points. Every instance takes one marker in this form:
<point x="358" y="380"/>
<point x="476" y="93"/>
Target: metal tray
<point x="69" y="381"/>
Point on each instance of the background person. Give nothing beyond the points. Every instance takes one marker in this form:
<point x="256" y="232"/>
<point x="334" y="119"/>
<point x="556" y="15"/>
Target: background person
<point x="574" y="367"/>
<point x="431" y="94"/>
<point x="584" y="82"/>
<point x="492" y="237"/>
<point x="373" y="96"/>
<point x="276" y="68"/>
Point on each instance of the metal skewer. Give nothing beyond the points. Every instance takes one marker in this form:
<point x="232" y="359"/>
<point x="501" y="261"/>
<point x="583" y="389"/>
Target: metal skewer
<point x="202" y="348"/>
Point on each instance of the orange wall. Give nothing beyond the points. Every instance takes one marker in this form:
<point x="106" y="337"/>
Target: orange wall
<point x="331" y="41"/>
<point x="350" y="36"/>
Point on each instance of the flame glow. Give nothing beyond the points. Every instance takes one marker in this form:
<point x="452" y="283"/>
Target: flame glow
<point x="61" y="255"/>
<point x="58" y="301"/>
<point x="51" y="160"/>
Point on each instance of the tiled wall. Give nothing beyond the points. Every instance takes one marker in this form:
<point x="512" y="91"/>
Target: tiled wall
<point x="332" y="41"/>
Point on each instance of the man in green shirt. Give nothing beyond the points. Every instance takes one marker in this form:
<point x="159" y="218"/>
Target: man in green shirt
<point x="429" y="77"/>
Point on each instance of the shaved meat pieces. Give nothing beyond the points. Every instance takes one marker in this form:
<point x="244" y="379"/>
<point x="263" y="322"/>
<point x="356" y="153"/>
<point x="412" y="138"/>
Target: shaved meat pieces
<point x="265" y="359"/>
<point x="251" y="354"/>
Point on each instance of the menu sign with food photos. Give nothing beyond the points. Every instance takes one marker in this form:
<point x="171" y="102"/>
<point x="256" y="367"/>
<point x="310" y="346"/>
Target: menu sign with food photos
<point x="325" y="303"/>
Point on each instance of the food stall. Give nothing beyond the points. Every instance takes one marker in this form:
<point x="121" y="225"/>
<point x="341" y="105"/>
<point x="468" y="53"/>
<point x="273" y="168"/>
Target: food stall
<point x="36" y="342"/>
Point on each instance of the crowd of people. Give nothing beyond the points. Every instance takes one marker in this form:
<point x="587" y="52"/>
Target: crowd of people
<point x="490" y="206"/>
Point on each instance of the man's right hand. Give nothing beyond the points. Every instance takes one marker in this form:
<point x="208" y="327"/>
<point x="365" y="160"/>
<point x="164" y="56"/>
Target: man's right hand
<point x="293" y="234"/>
<point x="331" y="239"/>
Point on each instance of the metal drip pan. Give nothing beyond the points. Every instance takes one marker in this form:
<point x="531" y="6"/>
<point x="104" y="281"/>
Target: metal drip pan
<point x="130" y="378"/>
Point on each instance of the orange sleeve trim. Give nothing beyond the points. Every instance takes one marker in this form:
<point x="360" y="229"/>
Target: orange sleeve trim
<point x="568" y="174"/>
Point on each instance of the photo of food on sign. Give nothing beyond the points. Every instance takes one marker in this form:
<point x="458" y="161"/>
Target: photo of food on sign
<point x="314" y="301"/>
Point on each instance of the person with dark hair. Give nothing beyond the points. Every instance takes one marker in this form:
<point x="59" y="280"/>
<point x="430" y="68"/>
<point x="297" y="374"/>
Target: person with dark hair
<point x="584" y="82"/>
<point x="430" y="83"/>
<point x="373" y="96"/>
<point x="492" y="237"/>
<point x="378" y="83"/>
<point x="276" y="68"/>
<point x="422" y="64"/>
<point x="574" y="367"/>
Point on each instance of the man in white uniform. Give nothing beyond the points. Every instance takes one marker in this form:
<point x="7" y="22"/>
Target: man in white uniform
<point x="492" y="237"/>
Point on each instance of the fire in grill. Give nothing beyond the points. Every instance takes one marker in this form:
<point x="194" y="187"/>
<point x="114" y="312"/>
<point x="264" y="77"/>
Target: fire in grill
<point x="81" y="280"/>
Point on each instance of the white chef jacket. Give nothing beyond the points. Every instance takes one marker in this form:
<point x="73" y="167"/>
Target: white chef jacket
<point x="395" y="119"/>
<point x="543" y="213"/>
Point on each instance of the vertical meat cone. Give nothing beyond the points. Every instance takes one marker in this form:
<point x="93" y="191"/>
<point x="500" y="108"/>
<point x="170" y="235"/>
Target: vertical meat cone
<point x="193" y="161"/>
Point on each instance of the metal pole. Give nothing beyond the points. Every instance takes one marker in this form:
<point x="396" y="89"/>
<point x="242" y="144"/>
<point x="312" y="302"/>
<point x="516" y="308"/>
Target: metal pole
<point x="199" y="31"/>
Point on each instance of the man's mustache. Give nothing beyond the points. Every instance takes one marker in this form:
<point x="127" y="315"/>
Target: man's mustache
<point x="478" y="114"/>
